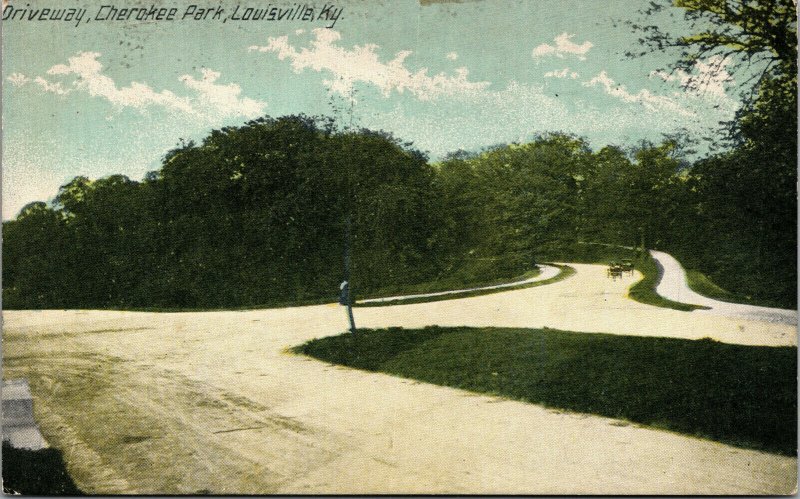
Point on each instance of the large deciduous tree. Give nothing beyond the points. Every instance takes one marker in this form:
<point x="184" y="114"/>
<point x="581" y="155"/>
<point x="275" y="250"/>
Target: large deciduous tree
<point x="748" y="34"/>
<point x="745" y="198"/>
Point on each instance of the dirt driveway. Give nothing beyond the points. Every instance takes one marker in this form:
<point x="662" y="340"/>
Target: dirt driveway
<point x="673" y="285"/>
<point x="210" y="402"/>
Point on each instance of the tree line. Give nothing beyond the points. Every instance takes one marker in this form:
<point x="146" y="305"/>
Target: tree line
<point x="256" y="215"/>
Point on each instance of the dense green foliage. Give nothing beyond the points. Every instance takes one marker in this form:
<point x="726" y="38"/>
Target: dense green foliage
<point x="742" y="395"/>
<point x="744" y="201"/>
<point x="255" y="215"/>
<point x="541" y="197"/>
<point x="730" y="216"/>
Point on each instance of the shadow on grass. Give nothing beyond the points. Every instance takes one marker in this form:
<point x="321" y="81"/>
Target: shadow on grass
<point x="40" y="473"/>
<point x="740" y="395"/>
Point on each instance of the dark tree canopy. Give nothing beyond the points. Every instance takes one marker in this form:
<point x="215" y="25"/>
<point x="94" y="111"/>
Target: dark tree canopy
<point x="745" y="198"/>
<point x="759" y="35"/>
<point x="252" y="215"/>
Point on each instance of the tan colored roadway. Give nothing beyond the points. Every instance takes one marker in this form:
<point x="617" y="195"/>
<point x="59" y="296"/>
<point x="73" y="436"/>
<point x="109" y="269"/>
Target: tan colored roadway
<point x="210" y="402"/>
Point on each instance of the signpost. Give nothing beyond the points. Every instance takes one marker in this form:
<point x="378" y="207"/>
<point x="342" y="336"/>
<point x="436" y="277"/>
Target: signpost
<point x="344" y="288"/>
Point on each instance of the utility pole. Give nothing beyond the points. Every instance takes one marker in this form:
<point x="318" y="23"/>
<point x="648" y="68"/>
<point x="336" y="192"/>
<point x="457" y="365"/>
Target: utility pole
<point x="345" y="297"/>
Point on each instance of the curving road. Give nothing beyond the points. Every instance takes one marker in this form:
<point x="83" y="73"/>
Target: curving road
<point x="191" y="403"/>
<point x="673" y="286"/>
<point x="546" y="272"/>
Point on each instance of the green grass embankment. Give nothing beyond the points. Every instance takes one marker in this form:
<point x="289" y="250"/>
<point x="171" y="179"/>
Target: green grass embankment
<point x="565" y="272"/>
<point x="644" y="291"/>
<point x="702" y="284"/>
<point x="741" y="395"/>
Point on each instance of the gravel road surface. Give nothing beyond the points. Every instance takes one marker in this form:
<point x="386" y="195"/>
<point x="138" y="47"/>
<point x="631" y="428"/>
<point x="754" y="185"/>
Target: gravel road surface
<point x="190" y="403"/>
<point x="673" y="286"/>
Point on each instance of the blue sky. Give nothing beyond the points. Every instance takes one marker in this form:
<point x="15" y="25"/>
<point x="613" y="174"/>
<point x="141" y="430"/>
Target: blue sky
<point x="109" y="97"/>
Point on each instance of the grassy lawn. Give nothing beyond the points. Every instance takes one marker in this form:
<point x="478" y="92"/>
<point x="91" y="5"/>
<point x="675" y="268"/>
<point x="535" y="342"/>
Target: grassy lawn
<point x="449" y="283"/>
<point x="563" y="274"/>
<point x="701" y="283"/>
<point x="740" y="395"/>
<point x="644" y="291"/>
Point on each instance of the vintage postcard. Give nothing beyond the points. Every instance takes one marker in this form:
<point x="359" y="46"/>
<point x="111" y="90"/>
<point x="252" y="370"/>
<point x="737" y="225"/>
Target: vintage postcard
<point x="399" y="247"/>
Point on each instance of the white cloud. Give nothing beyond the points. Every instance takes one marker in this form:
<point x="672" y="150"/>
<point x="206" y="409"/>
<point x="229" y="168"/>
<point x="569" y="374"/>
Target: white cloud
<point x="209" y="100"/>
<point x="650" y="101"/>
<point x="89" y="77"/>
<point x="55" y="88"/>
<point x="452" y="56"/>
<point x="462" y="113"/>
<point x="563" y="45"/>
<point x="225" y="100"/>
<point x="564" y="73"/>
<point x="362" y="64"/>
<point x="709" y="78"/>
<point x="18" y="79"/>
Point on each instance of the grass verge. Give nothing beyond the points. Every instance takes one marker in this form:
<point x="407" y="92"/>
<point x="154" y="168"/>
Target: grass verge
<point x="702" y="284"/>
<point x="40" y="473"/>
<point x="449" y="283"/>
<point x="644" y="291"/>
<point x="740" y="395"/>
<point x="564" y="273"/>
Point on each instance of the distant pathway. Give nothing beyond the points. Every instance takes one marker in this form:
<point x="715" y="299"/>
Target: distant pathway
<point x="673" y="286"/>
<point x="547" y="272"/>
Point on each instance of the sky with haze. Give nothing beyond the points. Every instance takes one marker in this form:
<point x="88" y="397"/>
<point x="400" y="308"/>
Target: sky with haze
<point x="108" y="97"/>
